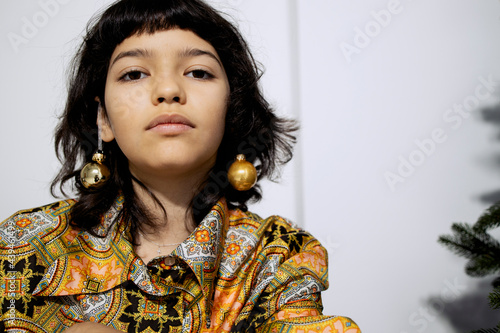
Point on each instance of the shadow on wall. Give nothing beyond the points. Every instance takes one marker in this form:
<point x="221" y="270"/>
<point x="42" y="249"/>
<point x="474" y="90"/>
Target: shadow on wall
<point x="470" y="311"/>
<point x="492" y="116"/>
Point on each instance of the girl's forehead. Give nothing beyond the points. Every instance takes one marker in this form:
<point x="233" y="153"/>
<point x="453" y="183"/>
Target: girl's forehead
<point x="166" y="40"/>
<point x="165" y="34"/>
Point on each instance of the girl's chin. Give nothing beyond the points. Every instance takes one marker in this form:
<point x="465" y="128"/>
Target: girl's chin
<point x="171" y="169"/>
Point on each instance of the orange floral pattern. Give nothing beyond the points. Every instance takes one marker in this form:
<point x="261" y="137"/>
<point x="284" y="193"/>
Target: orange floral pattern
<point x="233" y="249"/>
<point x="202" y="236"/>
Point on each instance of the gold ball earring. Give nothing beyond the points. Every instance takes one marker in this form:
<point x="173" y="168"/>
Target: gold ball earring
<point x="242" y="174"/>
<point x="95" y="174"/>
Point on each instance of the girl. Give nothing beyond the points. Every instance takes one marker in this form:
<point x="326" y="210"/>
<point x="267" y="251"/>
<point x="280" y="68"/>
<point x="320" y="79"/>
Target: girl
<point x="163" y="125"/>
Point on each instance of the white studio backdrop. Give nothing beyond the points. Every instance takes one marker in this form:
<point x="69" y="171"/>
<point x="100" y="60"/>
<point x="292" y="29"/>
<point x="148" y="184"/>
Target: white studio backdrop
<point x="393" y="146"/>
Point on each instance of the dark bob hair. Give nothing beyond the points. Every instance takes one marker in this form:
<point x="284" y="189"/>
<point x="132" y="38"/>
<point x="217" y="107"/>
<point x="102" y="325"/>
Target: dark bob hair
<point x="251" y="126"/>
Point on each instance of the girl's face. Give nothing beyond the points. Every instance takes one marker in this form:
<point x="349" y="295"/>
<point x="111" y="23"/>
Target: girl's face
<point x="166" y="95"/>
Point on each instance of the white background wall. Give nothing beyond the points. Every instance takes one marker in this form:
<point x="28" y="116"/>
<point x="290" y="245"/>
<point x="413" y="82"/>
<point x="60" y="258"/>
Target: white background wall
<point x="361" y="112"/>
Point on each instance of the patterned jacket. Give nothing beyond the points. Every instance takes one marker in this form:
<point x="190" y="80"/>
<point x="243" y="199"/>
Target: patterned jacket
<point x="236" y="272"/>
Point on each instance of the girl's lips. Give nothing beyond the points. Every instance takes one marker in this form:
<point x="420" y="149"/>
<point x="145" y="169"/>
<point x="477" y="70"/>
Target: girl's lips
<point x="170" y="124"/>
<point x="171" y="128"/>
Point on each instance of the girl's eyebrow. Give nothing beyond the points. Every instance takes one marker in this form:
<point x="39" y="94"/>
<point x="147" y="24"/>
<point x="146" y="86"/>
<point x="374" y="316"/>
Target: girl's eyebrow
<point x="186" y="53"/>
<point x="194" y="52"/>
<point x="137" y="53"/>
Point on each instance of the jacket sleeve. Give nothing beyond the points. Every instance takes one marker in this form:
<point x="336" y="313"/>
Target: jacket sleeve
<point x="290" y="300"/>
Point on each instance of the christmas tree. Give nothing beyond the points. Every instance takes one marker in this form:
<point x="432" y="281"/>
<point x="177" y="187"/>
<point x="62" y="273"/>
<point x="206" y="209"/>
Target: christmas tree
<point x="483" y="251"/>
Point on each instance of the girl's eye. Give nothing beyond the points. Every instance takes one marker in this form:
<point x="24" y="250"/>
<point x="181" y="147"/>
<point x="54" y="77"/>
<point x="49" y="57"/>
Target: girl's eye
<point x="200" y="74"/>
<point x="133" y="76"/>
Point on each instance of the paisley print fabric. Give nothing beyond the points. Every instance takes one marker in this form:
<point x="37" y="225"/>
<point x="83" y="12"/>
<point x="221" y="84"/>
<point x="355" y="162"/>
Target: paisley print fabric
<point x="235" y="273"/>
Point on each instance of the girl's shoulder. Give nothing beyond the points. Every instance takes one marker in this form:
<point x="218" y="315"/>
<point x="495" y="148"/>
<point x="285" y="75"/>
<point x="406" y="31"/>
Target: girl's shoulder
<point x="39" y="222"/>
<point x="268" y="231"/>
<point x="240" y="218"/>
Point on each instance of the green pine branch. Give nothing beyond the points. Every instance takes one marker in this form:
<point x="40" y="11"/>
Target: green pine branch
<point x="494" y="298"/>
<point x="489" y="220"/>
<point x="482" y="250"/>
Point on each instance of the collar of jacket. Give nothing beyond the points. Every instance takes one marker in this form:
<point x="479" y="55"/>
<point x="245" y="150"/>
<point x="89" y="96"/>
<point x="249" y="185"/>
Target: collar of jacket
<point x="90" y="264"/>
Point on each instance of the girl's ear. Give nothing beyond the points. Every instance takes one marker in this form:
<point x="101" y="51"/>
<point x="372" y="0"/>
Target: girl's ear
<point x="103" y="124"/>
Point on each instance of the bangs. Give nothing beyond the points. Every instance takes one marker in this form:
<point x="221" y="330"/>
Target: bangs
<point x="126" y="18"/>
